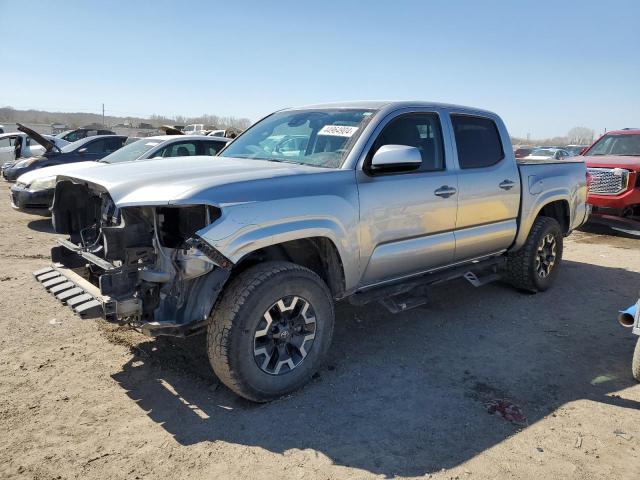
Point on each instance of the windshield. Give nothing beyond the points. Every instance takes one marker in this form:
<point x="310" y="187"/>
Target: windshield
<point x="575" y="150"/>
<point x="320" y="138"/>
<point x="131" y="152"/>
<point x="543" y="152"/>
<point x="616" y="145"/>
<point x="72" y="146"/>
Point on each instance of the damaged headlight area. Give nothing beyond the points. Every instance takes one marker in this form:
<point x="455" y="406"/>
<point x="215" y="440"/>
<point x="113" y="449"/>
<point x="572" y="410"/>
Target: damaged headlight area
<point x="143" y="265"/>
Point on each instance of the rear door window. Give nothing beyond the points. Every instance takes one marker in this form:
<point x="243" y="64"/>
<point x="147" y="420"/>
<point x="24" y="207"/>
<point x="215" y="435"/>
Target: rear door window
<point x="477" y="141"/>
<point x="178" y="149"/>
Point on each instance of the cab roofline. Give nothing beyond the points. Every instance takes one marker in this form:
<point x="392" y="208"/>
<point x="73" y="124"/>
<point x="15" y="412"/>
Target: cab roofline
<point x="388" y="104"/>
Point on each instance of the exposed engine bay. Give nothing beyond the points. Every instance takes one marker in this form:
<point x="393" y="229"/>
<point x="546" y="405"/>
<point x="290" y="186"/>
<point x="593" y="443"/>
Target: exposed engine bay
<point x="151" y="268"/>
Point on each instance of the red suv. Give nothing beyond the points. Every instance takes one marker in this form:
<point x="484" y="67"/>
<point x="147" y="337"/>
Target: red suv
<point x="613" y="163"/>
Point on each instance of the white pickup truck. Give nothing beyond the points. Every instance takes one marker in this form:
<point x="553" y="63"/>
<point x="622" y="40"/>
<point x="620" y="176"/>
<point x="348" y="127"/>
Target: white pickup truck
<point x="373" y="201"/>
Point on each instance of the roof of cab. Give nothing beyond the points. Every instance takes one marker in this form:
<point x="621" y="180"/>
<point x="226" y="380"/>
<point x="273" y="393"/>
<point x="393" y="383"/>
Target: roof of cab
<point x="380" y="104"/>
<point x="624" y="131"/>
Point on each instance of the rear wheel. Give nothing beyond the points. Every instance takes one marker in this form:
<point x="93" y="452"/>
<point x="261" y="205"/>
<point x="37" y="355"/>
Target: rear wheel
<point x="535" y="266"/>
<point x="271" y="330"/>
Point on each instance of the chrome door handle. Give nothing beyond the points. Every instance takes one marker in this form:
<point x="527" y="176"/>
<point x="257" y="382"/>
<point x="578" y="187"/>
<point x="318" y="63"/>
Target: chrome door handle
<point x="506" y="184"/>
<point x="445" y="191"/>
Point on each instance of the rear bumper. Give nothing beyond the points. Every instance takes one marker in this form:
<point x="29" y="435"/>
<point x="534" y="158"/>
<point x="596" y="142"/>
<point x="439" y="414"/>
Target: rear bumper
<point x="33" y="202"/>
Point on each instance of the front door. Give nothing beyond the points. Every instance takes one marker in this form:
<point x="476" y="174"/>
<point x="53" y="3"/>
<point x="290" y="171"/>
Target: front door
<point x="408" y="218"/>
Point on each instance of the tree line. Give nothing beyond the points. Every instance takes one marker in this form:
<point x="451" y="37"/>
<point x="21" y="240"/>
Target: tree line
<point x="80" y="119"/>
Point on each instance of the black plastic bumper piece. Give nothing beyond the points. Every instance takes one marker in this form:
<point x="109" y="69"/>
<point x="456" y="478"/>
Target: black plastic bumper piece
<point x="72" y="290"/>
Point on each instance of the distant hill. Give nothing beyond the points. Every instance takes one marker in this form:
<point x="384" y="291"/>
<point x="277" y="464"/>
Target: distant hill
<point x="79" y="119"/>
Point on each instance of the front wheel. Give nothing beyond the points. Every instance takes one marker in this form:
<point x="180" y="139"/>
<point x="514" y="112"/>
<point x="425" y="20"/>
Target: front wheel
<point x="271" y="330"/>
<point x="535" y="266"/>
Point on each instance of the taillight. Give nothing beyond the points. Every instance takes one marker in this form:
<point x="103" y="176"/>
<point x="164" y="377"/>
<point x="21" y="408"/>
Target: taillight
<point x="589" y="179"/>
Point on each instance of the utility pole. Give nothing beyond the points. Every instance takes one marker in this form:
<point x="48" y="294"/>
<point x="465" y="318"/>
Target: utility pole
<point x="103" y="124"/>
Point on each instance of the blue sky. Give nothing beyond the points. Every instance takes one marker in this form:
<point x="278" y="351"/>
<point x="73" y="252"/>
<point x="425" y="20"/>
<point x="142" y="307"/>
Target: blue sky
<point x="544" y="66"/>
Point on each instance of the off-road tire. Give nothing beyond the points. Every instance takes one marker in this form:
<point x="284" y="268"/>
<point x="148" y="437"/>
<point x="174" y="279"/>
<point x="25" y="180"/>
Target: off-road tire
<point x="521" y="271"/>
<point x="231" y="330"/>
<point x="635" y="362"/>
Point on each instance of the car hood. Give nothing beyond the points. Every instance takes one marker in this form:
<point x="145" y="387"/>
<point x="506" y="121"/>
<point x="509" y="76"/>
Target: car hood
<point x="182" y="180"/>
<point x="613" y="161"/>
<point x="47" y="144"/>
<point x="55" y="170"/>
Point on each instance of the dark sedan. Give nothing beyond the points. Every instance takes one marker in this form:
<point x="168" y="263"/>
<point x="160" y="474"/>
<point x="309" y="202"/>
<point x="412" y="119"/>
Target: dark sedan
<point x="89" y="148"/>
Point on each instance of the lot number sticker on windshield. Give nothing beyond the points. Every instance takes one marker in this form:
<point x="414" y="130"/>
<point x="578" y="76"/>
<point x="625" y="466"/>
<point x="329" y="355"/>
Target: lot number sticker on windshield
<point x="338" y="130"/>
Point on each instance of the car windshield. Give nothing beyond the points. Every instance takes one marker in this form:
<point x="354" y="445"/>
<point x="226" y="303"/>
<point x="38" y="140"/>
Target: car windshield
<point x="72" y="146"/>
<point x="616" y="145"/>
<point x="543" y="152"/>
<point x="320" y="138"/>
<point x="131" y="152"/>
<point x="575" y="150"/>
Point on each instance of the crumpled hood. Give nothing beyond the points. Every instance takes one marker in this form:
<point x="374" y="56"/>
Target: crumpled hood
<point x="65" y="169"/>
<point x="613" y="161"/>
<point x="180" y="180"/>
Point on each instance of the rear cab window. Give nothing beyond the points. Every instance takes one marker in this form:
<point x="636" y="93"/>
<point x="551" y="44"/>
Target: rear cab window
<point x="477" y="141"/>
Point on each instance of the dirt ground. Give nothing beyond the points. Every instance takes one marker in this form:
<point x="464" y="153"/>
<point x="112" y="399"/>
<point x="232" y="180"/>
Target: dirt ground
<point x="401" y="395"/>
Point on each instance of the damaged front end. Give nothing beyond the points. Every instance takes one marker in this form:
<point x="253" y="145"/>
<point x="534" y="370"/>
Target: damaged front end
<point x="141" y="265"/>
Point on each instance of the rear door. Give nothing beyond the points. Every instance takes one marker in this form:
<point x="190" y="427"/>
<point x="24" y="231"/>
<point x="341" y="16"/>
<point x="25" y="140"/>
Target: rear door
<point x="489" y="186"/>
<point x="407" y="222"/>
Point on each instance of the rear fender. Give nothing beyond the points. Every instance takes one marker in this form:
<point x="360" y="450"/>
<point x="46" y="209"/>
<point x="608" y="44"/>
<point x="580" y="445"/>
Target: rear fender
<point x="539" y="191"/>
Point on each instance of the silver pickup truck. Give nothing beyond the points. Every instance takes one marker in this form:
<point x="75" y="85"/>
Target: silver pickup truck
<point x="370" y="201"/>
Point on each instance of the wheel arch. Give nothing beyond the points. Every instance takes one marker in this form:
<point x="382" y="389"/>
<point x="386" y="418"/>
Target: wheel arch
<point x="559" y="210"/>
<point x="319" y="254"/>
<point x="555" y="204"/>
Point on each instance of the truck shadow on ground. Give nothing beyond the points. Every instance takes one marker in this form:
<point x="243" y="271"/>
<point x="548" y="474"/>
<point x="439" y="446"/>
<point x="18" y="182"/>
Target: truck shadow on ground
<point x="407" y="394"/>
